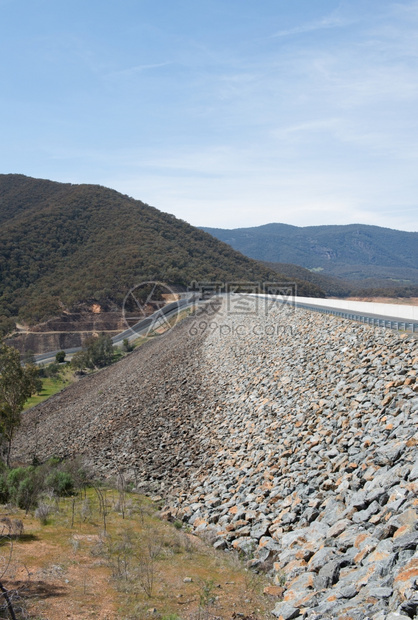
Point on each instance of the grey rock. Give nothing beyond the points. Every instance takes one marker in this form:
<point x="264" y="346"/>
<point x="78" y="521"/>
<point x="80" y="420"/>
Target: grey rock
<point x="410" y="607"/>
<point x="338" y="528"/>
<point x="320" y="558"/>
<point x="377" y="494"/>
<point x="347" y="591"/>
<point x="286" y="611"/>
<point x="328" y="575"/>
<point x="389" y="454"/>
<point x="358" y="501"/>
<point x="220" y="544"/>
<point x="259" y="530"/>
<point x="413" y="475"/>
<point x="406" y="542"/>
<point x="364" y="515"/>
<point x="381" y="592"/>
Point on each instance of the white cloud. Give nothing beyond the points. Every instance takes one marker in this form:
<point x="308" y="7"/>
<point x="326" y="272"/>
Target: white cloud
<point x="327" y="22"/>
<point x="131" y="71"/>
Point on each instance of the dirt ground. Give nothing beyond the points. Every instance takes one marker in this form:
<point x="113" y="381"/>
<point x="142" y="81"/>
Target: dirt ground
<point x="62" y="570"/>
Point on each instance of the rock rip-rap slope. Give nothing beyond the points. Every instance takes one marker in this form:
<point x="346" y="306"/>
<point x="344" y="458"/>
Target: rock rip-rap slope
<point x="141" y="417"/>
<point x="289" y="436"/>
<point x="317" y="470"/>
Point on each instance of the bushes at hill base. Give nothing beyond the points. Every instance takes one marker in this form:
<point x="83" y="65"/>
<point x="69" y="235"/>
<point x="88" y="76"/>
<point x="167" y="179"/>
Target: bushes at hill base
<point x="17" y="384"/>
<point x="61" y="483"/>
<point x="25" y="486"/>
<point x="127" y="346"/>
<point x="52" y="371"/>
<point x="60" y="357"/>
<point x="96" y="353"/>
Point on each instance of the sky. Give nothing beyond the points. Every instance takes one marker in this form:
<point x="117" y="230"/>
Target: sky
<point x="226" y="113"/>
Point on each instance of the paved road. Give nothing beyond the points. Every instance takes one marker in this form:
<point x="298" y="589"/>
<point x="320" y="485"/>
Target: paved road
<point x="159" y="318"/>
<point x="144" y="326"/>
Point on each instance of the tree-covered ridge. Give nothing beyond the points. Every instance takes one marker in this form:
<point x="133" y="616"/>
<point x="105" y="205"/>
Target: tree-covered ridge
<point x="352" y="251"/>
<point x="334" y="286"/>
<point x="63" y="244"/>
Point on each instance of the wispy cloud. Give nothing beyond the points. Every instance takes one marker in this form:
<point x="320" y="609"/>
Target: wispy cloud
<point x="328" y="22"/>
<point x="130" y="71"/>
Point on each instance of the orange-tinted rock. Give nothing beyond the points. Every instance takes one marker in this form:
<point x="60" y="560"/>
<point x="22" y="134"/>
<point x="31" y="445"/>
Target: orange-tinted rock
<point x="360" y="539"/>
<point x="273" y="591"/>
<point x="406" y="578"/>
<point x="377" y="556"/>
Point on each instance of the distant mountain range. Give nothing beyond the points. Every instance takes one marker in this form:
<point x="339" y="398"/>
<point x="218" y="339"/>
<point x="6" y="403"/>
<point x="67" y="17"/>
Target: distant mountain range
<point x="62" y="245"/>
<point x="352" y="252"/>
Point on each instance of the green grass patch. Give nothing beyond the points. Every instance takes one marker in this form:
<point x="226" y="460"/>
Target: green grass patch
<point x="49" y="388"/>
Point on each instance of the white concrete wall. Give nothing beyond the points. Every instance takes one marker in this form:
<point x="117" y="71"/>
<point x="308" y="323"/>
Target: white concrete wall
<point x="400" y="311"/>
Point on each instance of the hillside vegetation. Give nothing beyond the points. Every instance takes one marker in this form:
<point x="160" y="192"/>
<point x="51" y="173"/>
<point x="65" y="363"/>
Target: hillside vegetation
<point x="64" y="244"/>
<point x="335" y="286"/>
<point x="353" y="252"/>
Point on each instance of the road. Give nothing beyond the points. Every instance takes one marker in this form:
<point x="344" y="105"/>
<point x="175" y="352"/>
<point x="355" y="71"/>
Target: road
<point x="159" y="318"/>
<point x="388" y="314"/>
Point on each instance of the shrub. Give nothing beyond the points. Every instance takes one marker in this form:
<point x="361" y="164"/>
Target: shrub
<point x="25" y="485"/>
<point x="4" y="490"/>
<point x="79" y="360"/>
<point x="42" y="513"/>
<point x="15" y="476"/>
<point x="60" y="357"/>
<point x="61" y="483"/>
<point x="127" y="346"/>
<point x="26" y="496"/>
<point x="53" y="371"/>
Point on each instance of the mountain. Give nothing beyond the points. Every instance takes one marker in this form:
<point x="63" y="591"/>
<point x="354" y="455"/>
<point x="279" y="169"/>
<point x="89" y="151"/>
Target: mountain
<point x="354" y="251"/>
<point x="332" y="286"/>
<point x="62" y="245"/>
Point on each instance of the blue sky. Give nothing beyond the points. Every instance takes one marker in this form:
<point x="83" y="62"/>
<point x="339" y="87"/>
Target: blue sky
<point x="226" y="113"/>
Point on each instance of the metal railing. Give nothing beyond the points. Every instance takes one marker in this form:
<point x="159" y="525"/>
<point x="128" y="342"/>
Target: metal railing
<point x="388" y="323"/>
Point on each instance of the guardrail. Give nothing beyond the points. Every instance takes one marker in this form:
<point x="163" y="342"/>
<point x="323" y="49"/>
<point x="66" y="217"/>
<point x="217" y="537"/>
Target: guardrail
<point x="376" y="321"/>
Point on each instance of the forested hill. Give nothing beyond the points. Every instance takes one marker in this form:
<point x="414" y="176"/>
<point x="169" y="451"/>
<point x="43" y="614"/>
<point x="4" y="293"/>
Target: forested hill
<point x="354" y="251"/>
<point x="63" y="244"/>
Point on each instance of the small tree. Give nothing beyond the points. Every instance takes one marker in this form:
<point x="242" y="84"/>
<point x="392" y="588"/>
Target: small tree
<point x="17" y="384"/>
<point x="127" y="346"/>
<point x="79" y="360"/>
<point x="7" y="325"/>
<point x="101" y="351"/>
<point x="60" y="357"/>
<point x="96" y="353"/>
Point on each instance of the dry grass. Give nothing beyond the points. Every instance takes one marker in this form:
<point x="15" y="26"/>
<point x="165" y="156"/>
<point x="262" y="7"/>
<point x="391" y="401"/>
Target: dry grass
<point x="70" y="568"/>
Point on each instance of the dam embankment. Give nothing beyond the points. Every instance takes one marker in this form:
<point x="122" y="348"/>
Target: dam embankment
<point x="289" y="436"/>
